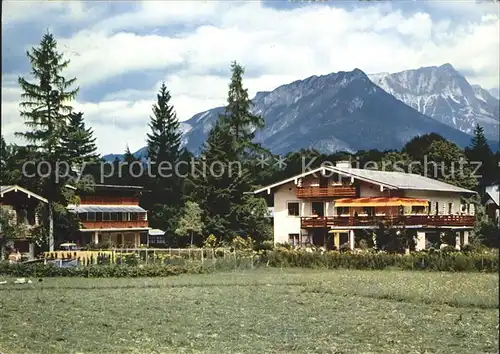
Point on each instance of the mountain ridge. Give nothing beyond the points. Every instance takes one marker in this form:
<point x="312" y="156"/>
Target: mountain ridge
<point x="336" y="111"/>
<point x="444" y="94"/>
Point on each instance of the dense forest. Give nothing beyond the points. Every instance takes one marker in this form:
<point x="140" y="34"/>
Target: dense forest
<point x="192" y="206"/>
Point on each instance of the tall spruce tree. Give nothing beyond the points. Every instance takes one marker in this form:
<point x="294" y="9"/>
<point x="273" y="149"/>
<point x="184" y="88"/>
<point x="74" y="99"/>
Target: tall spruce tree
<point x="480" y="152"/>
<point x="45" y="101"/>
<point x="78" y="142"/>
<point x="227" y="157"/>
<point x="164" y="139"/>
<point x="130" y="170"/>
<point x="45" y="106"/>
<point x="216" y="189"/>
<point x="8" y="173"/>
<point x="242" y="122"/>
<point x="164" y="199"/>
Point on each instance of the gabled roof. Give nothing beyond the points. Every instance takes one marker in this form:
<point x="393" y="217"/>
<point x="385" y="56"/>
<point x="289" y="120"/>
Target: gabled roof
<point x="16" y="188"/>
<point x="494" y="193"/>
<point x="402" y="180"/>
<point x="386" y="179"/>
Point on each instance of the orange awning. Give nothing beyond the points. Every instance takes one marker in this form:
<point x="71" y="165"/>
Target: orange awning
<point x="380" y="201"/>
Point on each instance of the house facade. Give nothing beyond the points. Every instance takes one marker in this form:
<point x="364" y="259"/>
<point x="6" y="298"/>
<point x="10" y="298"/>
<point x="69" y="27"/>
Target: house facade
<point x="22" y="205"/>
<point x="111" y="214"/>
<point x="328" y="206"/>
<point x="492" y="202"/>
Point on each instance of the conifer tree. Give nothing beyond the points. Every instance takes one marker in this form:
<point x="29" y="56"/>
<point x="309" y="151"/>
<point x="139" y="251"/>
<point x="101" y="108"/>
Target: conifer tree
<point x="480" y="152"/>
<point x="216" y="188"/>
<point x="164" y="201"/>
<point x="7" y="168"/>
<point x="242" y="123"/>
<point x="164" y="140"/>
<point x="230" y="146"/>
<point x="45" y="101"/>
<point x="78" y="142"/>
<point x="129" y="171"/>
<point x="45" y="107"/>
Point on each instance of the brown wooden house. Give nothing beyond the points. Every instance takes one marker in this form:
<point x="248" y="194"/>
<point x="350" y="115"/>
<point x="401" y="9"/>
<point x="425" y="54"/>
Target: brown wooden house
<point x="111" y="215"/>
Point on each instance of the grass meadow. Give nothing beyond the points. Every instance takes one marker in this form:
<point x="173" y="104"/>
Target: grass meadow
<point x="254" y="311"/>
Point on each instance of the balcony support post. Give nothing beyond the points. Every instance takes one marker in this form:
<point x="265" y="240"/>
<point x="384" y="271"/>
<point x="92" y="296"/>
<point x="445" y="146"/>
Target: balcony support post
<point x="466" y="237"/>
<point x="95" y="237"/>
<point x="458" y="239"/>
<point x="351" y="239"/>
<point x="420" y="241"/>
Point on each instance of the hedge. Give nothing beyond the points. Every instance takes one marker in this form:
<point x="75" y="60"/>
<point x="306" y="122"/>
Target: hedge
<point x="97" y="271"/>
<point x="279" y="257"/>
<point x="435" y="261"/>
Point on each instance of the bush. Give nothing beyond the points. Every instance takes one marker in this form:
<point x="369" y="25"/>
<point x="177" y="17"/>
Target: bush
<point x="97" y="271"/>
<point x="484" y="261"/>
<point x="266" y="245"/>
<point x="443" y="260"/>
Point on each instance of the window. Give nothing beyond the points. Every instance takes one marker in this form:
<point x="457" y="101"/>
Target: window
<point x="342" y="210"/>
<point x="157" y="239"/>
<point x="417" y="209"/>
<point x="106" y="217"/>
<point x="293" y="209"/>
<point x="450" y="208"/>
<point x="370" y="211"/>
<point x="293" y="239"/>
<point x="126" y="216"/>
<point x="91" y="216"/>
<point x="83" y="216"/>
<point x="114" y="216"/>
<point x="133" y="216"/>
<point x="318" y="208"/>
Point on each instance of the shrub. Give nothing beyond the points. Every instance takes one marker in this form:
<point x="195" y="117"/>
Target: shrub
<point x="97" y="271"/>
<point x="210" y="242"/>
<point x="266" y="245"/>
<point x="434" y="260"/>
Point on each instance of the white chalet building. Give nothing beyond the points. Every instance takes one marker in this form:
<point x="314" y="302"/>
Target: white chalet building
<point x="326" y="206"/>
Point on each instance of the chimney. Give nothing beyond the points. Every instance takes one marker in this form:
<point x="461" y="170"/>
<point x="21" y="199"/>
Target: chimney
<point x="345" y="164"/>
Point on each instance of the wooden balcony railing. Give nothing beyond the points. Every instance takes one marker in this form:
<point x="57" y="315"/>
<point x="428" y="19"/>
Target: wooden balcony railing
<point x="102" y="200"/>
<point x="114" y="224"/>
<point x="410" y="220"/>
<point x="324" y="192"/>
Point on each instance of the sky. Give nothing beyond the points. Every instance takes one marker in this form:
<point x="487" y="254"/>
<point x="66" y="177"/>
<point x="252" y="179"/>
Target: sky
<point x="120" y="52"/>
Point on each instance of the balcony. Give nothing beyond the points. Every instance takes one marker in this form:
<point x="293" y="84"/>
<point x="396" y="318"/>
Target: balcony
<point x="373" y="221"/>
<point x="109" y="200"/>
<point x="114" y="224"/>
<point x="326" y="192"/>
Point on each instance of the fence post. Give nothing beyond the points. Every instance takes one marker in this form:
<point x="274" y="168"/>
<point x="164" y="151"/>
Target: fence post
<point x="201" y="255"/>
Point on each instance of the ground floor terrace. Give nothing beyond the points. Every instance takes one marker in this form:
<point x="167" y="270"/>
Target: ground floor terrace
<point x="115" y="238"/>
<point x="336" y="238"/>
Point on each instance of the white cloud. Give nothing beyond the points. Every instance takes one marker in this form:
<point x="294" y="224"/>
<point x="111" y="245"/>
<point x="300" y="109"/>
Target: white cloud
<point x="15" y="12"/>
<point x="276" y="46"/>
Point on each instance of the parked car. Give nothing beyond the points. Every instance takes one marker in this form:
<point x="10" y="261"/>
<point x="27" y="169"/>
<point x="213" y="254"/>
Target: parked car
<point x="69" y="247"/>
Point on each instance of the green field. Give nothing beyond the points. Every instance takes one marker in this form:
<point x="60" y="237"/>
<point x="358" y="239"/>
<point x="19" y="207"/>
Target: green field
<point x="260" y="311"/>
